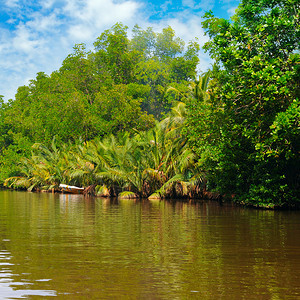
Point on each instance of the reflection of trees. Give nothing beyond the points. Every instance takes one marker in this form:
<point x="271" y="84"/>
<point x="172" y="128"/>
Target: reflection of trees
<point x="148" y="249"/>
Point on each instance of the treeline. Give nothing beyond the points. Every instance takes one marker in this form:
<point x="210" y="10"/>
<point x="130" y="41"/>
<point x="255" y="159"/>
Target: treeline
<point x="156" y="163"/>
<point x="120" y="86"/>
<point x="132" y="115"/>
<point x="247" y="132"/>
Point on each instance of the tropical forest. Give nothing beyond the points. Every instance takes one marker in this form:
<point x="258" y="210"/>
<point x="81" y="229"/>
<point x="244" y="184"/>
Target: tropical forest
<point x="136" y="117"/>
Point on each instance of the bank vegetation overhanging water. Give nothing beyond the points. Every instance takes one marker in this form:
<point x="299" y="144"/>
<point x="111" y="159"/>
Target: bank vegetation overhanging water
<point x="154" y="164"/>
<point x="157" y="163"/>
<point x="133" y="117"/>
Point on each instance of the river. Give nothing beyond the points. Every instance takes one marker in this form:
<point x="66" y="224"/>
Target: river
<point x="68" y="247"/>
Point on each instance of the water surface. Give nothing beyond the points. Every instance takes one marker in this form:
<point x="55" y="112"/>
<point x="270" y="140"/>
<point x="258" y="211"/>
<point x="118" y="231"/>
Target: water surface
<point x="68" y="247"/>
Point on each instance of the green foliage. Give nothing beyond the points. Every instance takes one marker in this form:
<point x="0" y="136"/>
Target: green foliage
<point x="119" y="86"/>
<point x="248" y="130"/>
<point x="12" y="155"/>
<point x="119" y="111"/>
<point x="143" y="41"/>
<point x="113" y="54"/>
<point x="157" y="160"/>
<point x="167" y="45"/>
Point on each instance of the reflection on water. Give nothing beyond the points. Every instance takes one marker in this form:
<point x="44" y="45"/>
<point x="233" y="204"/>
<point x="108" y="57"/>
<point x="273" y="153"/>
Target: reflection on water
<point x="69" y="247"/>
<point x="9" y="287"/>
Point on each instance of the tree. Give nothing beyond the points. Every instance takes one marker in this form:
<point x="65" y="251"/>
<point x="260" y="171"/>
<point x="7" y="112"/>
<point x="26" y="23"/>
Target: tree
<point x="120" y="86"/>
<point x="113" y="53"/>
<point x="118" y="110"/>
<point x="143" y="41"/>
<point x="258" y="89"/>
<point x="79" y="70"/>
<point x="167" y="46"/>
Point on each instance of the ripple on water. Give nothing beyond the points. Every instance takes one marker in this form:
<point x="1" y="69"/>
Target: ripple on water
<point x="13" y="289"/>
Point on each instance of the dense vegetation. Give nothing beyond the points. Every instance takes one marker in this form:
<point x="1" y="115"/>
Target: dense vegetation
<point x="247" y="133"/>
<point x="155" y="162"/>
<point x="105" y="118"/>
<point x="121" y="86"/>
<point x="133" y="116"/>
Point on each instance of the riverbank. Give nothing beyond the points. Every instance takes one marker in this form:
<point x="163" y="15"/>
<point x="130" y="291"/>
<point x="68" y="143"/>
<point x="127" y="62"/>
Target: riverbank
<point x="91" y="192"/>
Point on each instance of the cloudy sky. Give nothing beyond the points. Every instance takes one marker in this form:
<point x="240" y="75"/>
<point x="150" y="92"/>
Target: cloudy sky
<point x="36" y="35"/>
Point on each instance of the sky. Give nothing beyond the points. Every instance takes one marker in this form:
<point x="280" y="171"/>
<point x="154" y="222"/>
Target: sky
<point x="37" y="35"/>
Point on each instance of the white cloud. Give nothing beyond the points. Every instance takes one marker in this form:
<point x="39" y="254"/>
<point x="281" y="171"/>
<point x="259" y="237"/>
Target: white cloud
<point x="23" y="41"/>
<point x="46" y="4"/>
<point x="39" y="40"/>
<point x="164" y="7"/>
<point x="188" y="3"/>
<point x="11" y="3"/>
<point x="188" y="30"/>
<point x="205" y="5"/>
<point x="44" y="23"/>
<point x="81" y="32"/>
<point x="88" y="19"/>
<point x="231" y="11"/>
<point x="99" y="12"/>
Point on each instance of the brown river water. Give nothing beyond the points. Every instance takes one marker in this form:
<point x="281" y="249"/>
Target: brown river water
<point x="68" y="247"/>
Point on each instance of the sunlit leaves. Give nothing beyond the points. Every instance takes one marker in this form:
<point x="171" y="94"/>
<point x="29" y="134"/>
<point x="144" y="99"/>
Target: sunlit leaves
<point x="118" y="86"/>
<point x="258" y="88"/>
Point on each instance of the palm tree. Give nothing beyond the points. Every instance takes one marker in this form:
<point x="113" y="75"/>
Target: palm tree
<point x="43" y="170"/>
<point x="124" y="163"/>
<point x="177" y="162"/>
<point x="199" y="87"/>
<point x="158" y="160"/>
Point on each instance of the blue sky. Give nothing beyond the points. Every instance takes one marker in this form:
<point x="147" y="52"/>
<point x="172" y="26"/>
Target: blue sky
<point x="37" y="35"/>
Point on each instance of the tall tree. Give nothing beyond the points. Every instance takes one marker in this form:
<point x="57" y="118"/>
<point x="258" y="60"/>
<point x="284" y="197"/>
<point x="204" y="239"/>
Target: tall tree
<point x="120" y="86"/>
<point x="258" y="87"/>
<point x="112" y="52"/>
<point x="168" y="45"/>
<point x="143" y="41"/>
